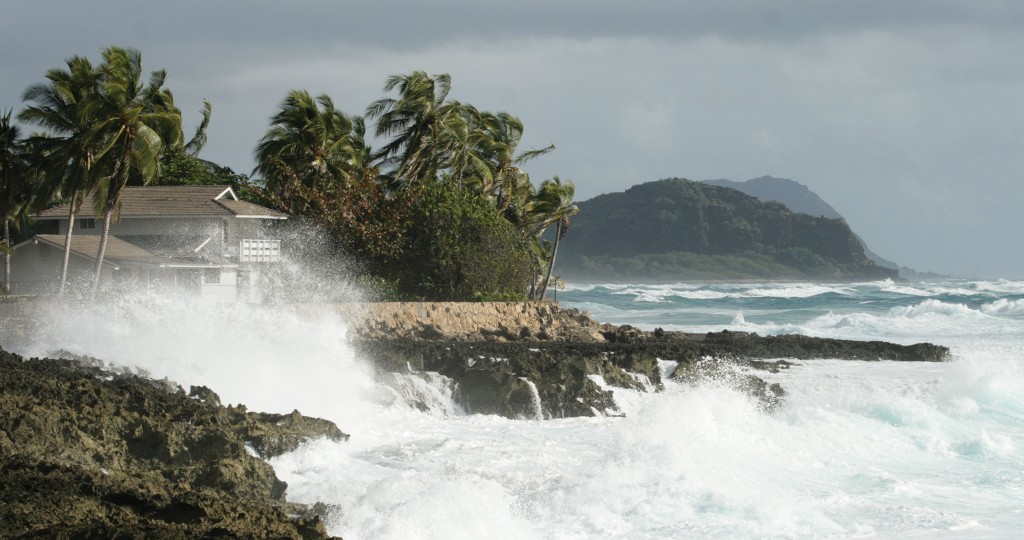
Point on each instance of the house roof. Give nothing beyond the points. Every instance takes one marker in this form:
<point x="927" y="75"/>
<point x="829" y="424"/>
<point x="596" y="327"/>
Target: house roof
<point x="176" y="201"/>
<point x="118" y="251"/>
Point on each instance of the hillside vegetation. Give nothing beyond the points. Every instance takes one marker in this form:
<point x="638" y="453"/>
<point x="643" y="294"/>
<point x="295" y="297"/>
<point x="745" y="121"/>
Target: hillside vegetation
<point x="680" y="229"/>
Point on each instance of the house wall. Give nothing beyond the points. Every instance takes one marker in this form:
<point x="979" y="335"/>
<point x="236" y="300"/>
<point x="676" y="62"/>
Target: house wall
<point x="237" y="228"/>
<point x="35" y="269"/>
<point x="152" y="227"/>
<point x="225" y="232"/>
<point x="224" y="290"/>
<point x="39" y="265"/>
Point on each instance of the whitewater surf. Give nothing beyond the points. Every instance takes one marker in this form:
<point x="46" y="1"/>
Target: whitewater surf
<point x="858" y="449"/>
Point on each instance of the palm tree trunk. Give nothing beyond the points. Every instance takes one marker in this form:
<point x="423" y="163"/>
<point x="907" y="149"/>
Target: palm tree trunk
<point x="102" y="251"/>
<point x="7" y="257"/>
<point x="551" y="262"/>
<point x="67" y="248"/>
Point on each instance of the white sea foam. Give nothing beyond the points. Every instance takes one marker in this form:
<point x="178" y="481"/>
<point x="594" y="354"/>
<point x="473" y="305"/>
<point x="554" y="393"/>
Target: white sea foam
<point x="1000" y="287"/>
<point x="795" y="291"/>
<point x="269" y="358"/>
<point x="702" y="295"/>
<point x="891" y="287"/>
<point x="1004" y="307"/>
<point x="933" y="307"/>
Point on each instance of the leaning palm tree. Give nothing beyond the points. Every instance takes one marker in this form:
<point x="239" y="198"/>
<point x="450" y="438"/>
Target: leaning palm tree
<point x="198" y="140"/>
<point x="309" y="145"/>
<point x="415" y="123"/>
<point x="502" y="135"/>
<point x="553" y="205"/>
<point x="14" y="192"/>
<point x="363" y="165"/>
<point x="460" y="145"/>
<point x="63" y="106"/>
<point x="133" y="123"/>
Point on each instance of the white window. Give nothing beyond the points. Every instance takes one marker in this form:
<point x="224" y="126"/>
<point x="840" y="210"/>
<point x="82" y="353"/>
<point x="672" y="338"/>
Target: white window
<point x="211" y="276"/>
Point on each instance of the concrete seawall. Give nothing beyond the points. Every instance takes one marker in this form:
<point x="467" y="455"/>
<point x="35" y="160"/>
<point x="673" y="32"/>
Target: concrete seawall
<point x="461" y="321"/>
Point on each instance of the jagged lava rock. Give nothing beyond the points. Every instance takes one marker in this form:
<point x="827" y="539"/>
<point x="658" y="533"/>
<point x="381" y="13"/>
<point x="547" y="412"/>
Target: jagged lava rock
<point x="565" y="372"/>
<point x="87" y="453"/>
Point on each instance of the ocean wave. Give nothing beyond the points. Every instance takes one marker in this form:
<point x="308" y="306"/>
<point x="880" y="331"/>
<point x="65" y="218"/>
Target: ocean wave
<point x="656" y="294"/>
<point x="1004" y="306"/>
<point x="999" y="287"/>
<point x="890" y="287"/>
<point x="644" y="294"/>
<point x="940" y="288"/>
<point x="663" y="293"/>
<point x="799" y="291"/>
<point x="580" y="287"/>
<point x="932" y="307"/>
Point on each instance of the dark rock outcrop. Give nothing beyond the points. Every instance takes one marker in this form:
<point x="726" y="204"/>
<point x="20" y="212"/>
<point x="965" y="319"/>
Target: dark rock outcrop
<point x="507" y="378"/>
<point x="89" y="453"/>
<point x="496" y="378"/>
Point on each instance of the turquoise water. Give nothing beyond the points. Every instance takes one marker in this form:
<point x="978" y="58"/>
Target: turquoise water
<point x="858" y="450"/>
<point x="950" y="312"/>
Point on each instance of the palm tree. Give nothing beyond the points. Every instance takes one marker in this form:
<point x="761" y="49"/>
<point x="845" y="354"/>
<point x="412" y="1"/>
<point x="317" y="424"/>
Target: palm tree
<point x="14" y="192"/>
<point x="363" y="164"/>
<point x="416" y="122"/>
<point x="459" y="147"/>
<point x="63" y="107"/>
<point x="133" y="123"/>
<point x="310" y="144"/>
<point x="502" y="135"/>
<point x="198" y="140"/>
<point x="553" y="205"/>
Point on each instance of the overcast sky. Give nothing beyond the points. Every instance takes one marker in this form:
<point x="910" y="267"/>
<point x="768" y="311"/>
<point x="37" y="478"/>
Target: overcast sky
<point x="907" y="117"/>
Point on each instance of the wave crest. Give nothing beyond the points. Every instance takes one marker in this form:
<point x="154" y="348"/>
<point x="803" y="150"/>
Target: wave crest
<point x="1004" y="307"/>
<point x="932" y="307"/>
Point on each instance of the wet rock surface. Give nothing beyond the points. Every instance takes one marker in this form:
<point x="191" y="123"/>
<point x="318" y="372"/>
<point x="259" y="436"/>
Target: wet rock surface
<point x="89" y="453"/>
<point x="571" y="368"/>
<point x="507" y="378"/>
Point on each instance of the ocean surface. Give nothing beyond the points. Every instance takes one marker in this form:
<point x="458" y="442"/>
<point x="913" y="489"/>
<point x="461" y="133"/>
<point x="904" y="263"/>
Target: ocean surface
<point x="858" y="450"/>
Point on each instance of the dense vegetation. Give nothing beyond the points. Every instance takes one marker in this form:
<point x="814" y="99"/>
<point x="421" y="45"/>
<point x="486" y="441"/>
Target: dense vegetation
<point x="679" y="229"/>
<point x="442" y="210"/>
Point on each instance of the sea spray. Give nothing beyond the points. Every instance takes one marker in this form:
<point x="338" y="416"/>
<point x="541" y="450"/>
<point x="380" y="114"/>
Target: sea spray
<point x="538" y="408"/>
<point x="268" y="358"/>
<point x="879" y="449"/>
<point x="428" y="392"/>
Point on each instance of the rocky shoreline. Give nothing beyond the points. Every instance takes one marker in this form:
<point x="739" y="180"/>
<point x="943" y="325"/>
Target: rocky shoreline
<point x="91" y="451"/>
<point x="87" y="452"/>
<point x="571" y="367"/>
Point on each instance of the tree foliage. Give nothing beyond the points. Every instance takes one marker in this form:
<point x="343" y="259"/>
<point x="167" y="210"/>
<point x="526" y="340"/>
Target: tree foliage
<point x="441" y="210"/>
<point x="459" y="247"/>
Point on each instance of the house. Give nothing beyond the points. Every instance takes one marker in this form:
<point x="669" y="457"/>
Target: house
<point x="198" y="240"/>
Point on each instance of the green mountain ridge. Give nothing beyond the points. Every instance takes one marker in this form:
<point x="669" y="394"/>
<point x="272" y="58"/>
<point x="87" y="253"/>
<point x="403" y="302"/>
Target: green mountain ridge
<point x="799" y="198"/>
<point x="677" y="229"/>
<point x="793" y="194"/>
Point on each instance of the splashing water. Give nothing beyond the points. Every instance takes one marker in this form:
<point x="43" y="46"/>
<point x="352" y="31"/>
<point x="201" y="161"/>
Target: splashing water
<point x="883" y="450"/>
<point x="538" y="409"/>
